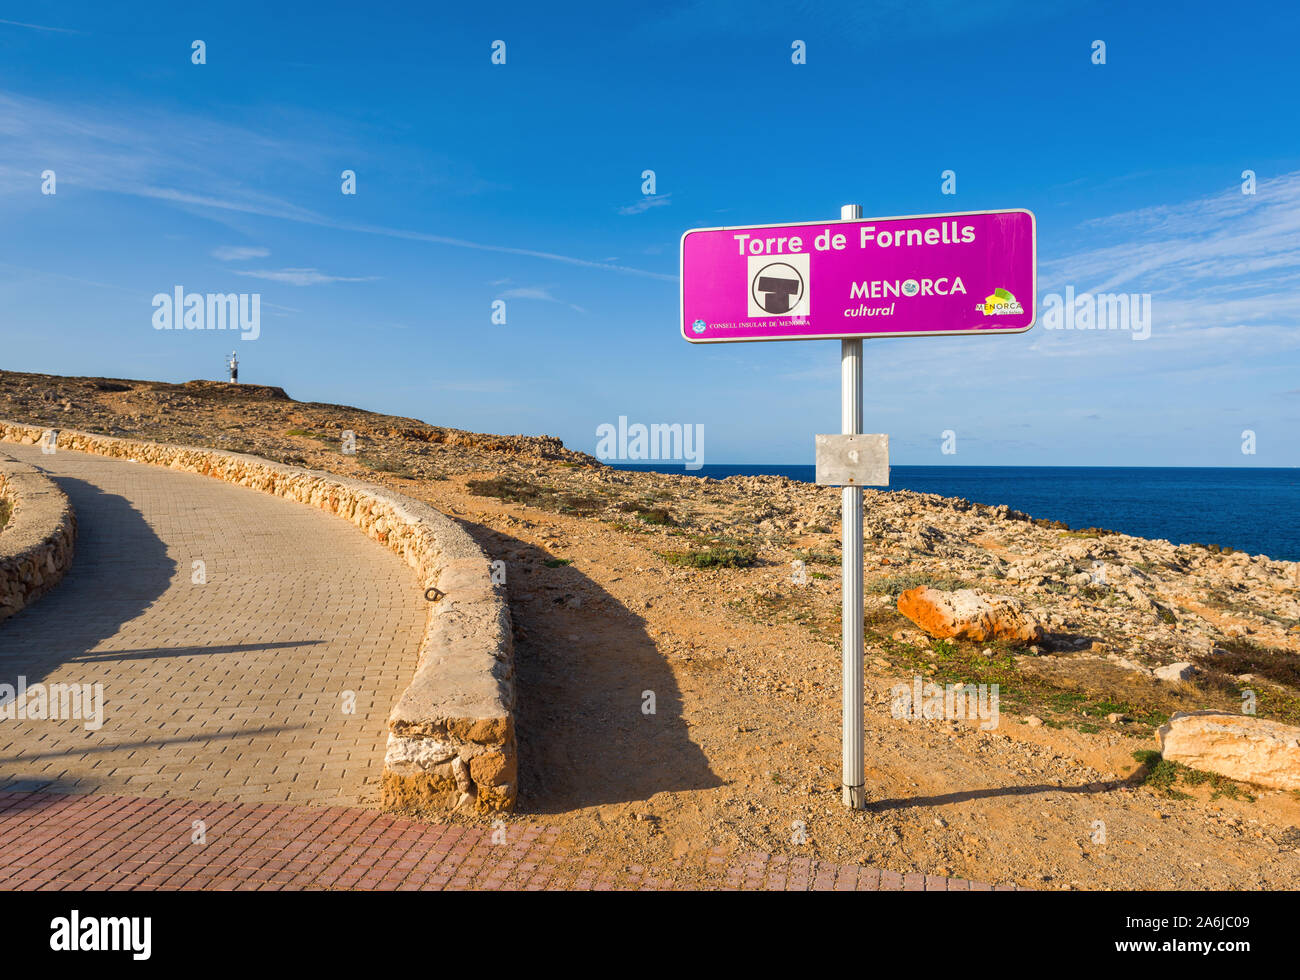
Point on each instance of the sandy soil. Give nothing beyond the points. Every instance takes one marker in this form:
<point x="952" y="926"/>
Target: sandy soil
<point x="744" y="746"/>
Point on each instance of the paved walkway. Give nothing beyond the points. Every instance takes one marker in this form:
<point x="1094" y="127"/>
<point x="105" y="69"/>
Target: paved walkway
<point x="51" y="842"/>
<point x="230" y="690"/>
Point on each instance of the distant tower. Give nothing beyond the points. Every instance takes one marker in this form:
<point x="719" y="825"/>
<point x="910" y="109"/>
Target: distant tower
<point x="233" y="362"/>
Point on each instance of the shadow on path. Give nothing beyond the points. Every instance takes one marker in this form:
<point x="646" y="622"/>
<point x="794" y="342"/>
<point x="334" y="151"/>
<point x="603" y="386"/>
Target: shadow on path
<point x="153" y="743"/>
<point x="582" y="673"/>
<point x="965" y="796"/>
<point x="119" y="569"/>
<point x="150" y="653"/>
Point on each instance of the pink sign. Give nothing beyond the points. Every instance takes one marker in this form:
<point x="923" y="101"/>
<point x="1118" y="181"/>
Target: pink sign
<point x="974" y="272"/>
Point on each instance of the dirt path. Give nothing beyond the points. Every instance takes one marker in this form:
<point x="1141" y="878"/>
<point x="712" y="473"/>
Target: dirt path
<point x="743" y="750"/>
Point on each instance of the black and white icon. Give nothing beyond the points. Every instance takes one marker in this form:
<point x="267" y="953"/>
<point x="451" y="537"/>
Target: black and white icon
<point x="778" y="285"/>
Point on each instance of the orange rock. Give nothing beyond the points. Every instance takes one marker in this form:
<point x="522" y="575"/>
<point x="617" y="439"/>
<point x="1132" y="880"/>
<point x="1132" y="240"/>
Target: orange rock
<point x="492" y="769"/>
<point x="969" y="614"/>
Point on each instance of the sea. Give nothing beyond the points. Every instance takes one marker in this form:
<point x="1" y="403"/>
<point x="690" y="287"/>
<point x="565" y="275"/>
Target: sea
<point x="1255" y="509"/>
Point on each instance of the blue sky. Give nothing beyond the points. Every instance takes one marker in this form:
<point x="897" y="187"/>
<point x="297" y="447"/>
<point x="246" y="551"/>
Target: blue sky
<point x="522" y="182"/>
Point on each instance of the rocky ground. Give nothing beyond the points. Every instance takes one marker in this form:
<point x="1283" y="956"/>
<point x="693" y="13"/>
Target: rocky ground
<point x="717" y="604"/>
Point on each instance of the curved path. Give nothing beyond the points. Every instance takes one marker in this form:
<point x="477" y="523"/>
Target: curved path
<point x="234" y="688"/>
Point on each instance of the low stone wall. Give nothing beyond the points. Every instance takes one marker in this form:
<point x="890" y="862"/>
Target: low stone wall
<point x="451" y="738"/>
<point x="36" y="545"/>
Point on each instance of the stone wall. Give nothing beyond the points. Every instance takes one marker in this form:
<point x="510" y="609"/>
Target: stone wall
<point x="36" y="545"/>
<point x="451" y="738"/>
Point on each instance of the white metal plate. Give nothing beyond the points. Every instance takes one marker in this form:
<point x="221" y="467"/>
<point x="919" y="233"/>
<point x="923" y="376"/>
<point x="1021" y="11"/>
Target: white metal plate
<point x="853" y="461"/>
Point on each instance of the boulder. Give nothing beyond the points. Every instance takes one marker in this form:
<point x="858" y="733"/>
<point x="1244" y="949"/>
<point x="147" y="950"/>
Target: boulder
<point x="1175" y="672"/>
<point x="969" y="614"/>
<point x="1252" y="750"/>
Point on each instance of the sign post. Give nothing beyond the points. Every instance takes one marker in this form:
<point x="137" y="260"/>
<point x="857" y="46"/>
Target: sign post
<point x="853" y="769"/>
<point x="924" y="275"/>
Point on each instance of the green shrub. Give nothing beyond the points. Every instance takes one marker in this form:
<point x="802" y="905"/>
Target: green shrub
<point x="719" y="557"/>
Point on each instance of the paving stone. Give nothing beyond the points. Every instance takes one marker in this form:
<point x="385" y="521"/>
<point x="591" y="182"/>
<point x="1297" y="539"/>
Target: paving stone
<point x="230" y="690"/>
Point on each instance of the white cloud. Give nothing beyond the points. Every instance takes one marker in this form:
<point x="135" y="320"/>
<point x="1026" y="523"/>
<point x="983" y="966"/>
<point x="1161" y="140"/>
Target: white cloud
<point x="1222" y="272"/>
<point x="529" y="292"/>
<point x="647" y="202"/>
<point x="40" y="27"/>
<point x="239" y="253"/>
<point x="1196" y="244"/>
<point x="300" y="277"/>
<point x="139" y="158"/>
<point x="538" y="292"/>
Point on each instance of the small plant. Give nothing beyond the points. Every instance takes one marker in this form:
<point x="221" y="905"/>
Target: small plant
<point x="1215" y="549"/>
<point x="897" y="584"/>
<point x="648" y="515"/>
<point x="534" y="495"/>
<point x="308" y="434"/>
<point x="713" y="557"/>
<point x="1049" y="523"/>
<point x="1243" y="656"/>
<point x="1158" y="773"/>
<point x="810" y="556"/>
<point x="393" y="469"/>
<point x="1162" y="775"/>
<point x="557" y="562"/>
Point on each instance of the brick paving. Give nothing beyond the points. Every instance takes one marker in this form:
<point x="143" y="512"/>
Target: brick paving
<point x="54" y="841"/>
<point x="229" y="690"/>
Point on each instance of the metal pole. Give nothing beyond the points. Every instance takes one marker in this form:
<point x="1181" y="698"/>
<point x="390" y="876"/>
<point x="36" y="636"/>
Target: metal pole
<point x="854" y="777"/>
